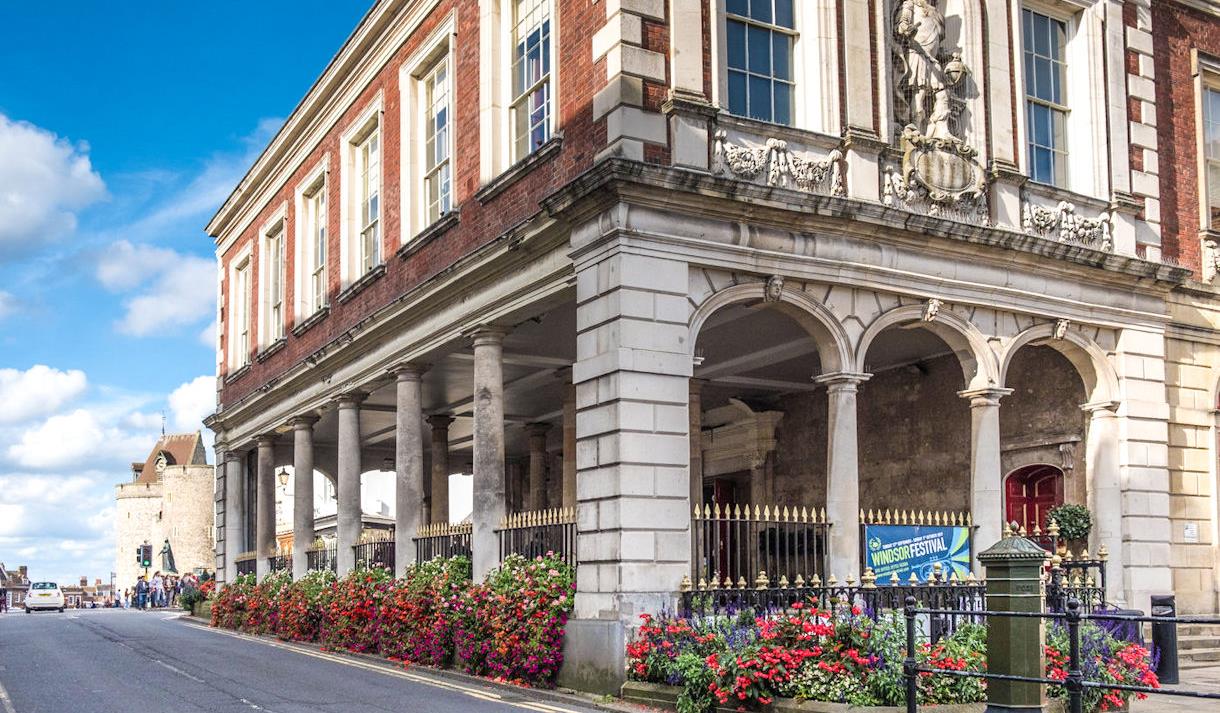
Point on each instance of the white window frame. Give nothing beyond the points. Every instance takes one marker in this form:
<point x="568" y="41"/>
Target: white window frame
<point x="308" y="269"/>
<point x="815" y="61"/>
<point x="412" y="106"/>
<point x="512" y="98"/>
<point x="240" y="300"/>
<point x="273" y="271"/>
<point x="1207" y="78"/>
<point x="1085" y="87"/>
<point x="351" y="254"/>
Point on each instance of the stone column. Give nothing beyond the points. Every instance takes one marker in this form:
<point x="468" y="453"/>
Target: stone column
<point x="264" y="513"/>
<point x="986" y="480"/>
<point x="696" y="442"/>
<point x="842" y="473"/>
<point x="488" y="450"/>
<point x="569" y="446"/>
<point x="348" y="520"/>
<point x="302" y="493"/>
<point x="408" y="465"/>
<point x="537" y="490"/>
<point x="234" y="544"/>
<point x="1104" y="488"/>
<point x="439" y="487"/>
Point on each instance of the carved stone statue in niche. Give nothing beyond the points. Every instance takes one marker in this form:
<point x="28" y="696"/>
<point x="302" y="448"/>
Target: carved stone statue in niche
<point x="939" y="169"/>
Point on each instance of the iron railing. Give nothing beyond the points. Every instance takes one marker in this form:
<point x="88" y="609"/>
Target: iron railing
<point x="247" y="563"/>
<point x="322" y="558"/>
<point x="764" y="595"/>
<point x="442" y="540"/>
<point x="736" y="542"/>
<point x="280" y="563"/>
<point x="1075" y="683"/>
<point x="539" y="532"/>
<point x="375" y="553"/>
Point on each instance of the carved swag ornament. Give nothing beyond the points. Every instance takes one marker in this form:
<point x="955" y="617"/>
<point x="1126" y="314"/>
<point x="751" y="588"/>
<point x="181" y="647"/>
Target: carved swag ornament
<point x="1063" y="224"/>
<point x="778" y="166"/>
<point x="940" y="172"/>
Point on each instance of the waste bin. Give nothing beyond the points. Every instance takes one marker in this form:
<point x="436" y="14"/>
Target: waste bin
<point x="1165" y="637"/>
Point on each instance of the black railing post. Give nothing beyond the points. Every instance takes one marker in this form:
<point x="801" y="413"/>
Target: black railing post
<point x="1075" y="679"/>
<point x="909" y="673"/>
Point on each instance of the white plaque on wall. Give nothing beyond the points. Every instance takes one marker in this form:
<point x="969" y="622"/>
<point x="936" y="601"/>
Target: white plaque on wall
<point x="1190" y="532"/>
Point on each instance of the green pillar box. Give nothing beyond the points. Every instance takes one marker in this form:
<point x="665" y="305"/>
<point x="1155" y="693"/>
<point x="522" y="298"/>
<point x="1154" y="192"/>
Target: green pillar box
<point x="1014" y="644"/>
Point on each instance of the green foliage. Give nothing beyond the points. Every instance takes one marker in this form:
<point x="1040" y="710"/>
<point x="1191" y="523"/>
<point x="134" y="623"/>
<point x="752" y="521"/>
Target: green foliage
<point x="1074" y="521"/>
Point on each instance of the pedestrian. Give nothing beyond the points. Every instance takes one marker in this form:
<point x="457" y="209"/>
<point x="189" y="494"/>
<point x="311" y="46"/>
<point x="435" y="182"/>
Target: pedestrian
<point x="141" y="593"/>
<point x="158" y="589"/>
<point x="3" y="598"/>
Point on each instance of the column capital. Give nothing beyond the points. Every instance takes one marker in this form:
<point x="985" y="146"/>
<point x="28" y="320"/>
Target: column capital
<point x="266" y="439"/>
<point x="408" y="371"/>
<point x="351" y="399"/>
<point x="303" y="421"/>
<point x="841" y="380"/>
<point x="986" y="396"/>
<point x="489" y="335"/>
<point x="1100" y="409"/>
<point x="233" y="456"/>
<point x="439" y="420"/>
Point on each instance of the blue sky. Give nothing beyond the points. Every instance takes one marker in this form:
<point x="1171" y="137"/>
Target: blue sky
<point x="122" y="127"/>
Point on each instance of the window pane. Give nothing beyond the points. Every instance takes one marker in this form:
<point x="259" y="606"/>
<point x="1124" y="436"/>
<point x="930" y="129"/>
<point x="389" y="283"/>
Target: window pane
<point x="759" y="46"/>
<point x="736" y="41"/>
<point x="737" y="93"/>
<point x="1042" y="165"/>
<point x="1042" y="79"/>
<point x="783" y="13"/>
<point x="781" y="55"/>
<point x="760" y="10"/>
<point x="738" y="7"/>
<point x="1042" y="44"/>
<point x="760" y="98"/>
<point x="783" y="103"/>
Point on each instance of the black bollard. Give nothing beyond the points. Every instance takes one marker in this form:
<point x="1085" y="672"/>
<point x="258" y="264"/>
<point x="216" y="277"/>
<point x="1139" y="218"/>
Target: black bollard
<point x="1165" y="637"/>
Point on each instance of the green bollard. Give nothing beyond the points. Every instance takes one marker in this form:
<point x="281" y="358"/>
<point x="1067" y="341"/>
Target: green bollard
<point x="1015" y="644"/>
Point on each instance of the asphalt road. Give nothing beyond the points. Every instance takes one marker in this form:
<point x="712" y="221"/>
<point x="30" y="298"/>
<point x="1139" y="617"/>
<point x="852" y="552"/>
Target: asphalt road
<point x="98" y="661"/>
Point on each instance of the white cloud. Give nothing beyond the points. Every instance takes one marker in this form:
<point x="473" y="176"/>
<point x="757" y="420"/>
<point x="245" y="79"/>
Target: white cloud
<point x="37" y="391"/>
<point x="193" y="401"/>
<point x="208" y="336"/>
<point x="44" y="181"/>
<point x="175" y="289"/>
<point x="59" y="441"/>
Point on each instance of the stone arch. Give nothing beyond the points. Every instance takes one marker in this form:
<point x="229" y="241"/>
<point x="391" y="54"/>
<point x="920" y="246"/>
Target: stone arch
<point x="979" y="366"/>
<point x="834" y="346"/>
<point x="1089" y="359"/>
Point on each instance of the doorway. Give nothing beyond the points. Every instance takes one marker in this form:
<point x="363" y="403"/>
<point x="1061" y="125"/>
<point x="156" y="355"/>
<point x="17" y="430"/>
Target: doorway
<point x="1029" y="494"/>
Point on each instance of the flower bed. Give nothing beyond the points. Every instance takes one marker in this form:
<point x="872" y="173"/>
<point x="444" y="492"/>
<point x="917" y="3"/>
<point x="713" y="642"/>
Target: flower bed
<point x="510" y="627"/>
<point x="837" y="655"/>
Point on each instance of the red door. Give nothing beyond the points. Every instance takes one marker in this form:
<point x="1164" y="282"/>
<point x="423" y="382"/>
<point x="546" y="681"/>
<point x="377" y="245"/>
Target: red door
<point x="1030" y="492"/>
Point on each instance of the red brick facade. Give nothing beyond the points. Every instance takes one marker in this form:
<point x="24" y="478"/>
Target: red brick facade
<point x="1178" y="33"/>
<point x="479" y="223"/>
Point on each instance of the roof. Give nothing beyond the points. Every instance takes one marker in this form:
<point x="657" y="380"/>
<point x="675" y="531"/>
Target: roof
<point x="177" y="448"/>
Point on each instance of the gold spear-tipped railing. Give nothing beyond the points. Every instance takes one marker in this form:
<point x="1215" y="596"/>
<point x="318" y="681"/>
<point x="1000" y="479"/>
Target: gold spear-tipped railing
<point x="535" y="533"/>
<point x="737" y="541"/>
<point x="889" y="516"/>
<point x="442" y="539"/>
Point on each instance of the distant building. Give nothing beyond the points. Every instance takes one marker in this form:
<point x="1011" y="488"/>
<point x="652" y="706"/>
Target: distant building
<point x="169" y="496"/>
<point x="84" y="595"/>
<point x="15" y="583"/>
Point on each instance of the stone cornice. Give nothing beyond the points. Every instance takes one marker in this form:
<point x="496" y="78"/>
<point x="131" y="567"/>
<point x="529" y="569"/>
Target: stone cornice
<point x="617" y="179"/>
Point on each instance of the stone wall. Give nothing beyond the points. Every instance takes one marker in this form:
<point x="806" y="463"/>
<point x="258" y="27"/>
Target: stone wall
<point x="187" y="516"/>
<point x="1190" y="381"/>
<point x="914" y="433"/>
<point x="137" y="515"/>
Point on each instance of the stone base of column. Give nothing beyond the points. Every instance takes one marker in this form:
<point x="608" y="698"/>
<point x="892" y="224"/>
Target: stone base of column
<point x="594" y="656"/>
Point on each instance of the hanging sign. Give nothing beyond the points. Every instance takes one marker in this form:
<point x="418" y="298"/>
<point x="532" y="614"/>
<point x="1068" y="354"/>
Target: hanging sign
<point x="903" y="549"/>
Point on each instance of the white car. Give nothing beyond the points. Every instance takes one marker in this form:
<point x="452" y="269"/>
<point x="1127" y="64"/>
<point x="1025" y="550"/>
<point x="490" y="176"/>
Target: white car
<point x="44" y="595"/>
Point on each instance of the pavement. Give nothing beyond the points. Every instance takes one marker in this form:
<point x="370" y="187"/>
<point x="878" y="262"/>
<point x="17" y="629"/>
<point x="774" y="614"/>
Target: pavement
<point x="1200" y="680"/>
<point x="108" y="660"/>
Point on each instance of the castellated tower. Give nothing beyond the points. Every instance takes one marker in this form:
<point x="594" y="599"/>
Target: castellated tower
<point x="169" y="496"/>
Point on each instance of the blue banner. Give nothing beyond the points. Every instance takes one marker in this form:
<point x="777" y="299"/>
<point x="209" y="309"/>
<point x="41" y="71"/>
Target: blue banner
<point x="903" y="549"/>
